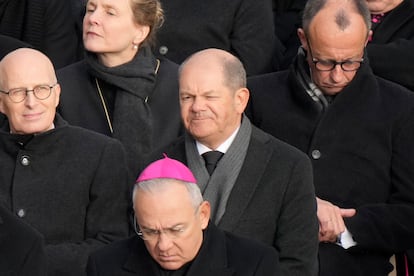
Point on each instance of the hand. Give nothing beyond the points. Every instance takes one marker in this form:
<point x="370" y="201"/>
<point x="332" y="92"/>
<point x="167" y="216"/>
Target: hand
<point x="331" y="222"/>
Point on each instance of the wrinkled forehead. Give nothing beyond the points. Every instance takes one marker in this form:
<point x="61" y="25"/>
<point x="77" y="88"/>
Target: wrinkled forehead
<point x="332" y="22"/>
<point x="348" y="36"/>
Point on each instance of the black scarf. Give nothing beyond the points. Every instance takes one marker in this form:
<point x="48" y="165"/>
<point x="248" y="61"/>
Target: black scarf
<point x="134" y="84"/>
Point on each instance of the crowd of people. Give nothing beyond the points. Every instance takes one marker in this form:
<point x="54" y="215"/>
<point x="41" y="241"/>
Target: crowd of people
<point x="152" y="137"/>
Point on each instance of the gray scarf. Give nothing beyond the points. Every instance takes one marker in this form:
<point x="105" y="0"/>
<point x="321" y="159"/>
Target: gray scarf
<point x="217" y="187"/>
<point x="132" y="119"/>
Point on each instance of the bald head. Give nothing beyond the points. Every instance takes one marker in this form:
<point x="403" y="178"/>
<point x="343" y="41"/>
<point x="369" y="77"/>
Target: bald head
<point x="233" y="72"/>
<point x="26" y="63"/>
<point x="30" y="91"/>
<point x="336" y="11"/>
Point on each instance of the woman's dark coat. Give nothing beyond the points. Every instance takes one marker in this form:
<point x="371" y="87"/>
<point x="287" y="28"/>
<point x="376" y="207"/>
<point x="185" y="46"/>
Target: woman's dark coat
<point x="81" y="105"/>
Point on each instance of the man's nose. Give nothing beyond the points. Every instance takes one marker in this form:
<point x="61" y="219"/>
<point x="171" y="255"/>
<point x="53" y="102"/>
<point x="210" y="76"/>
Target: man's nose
<point x="337" y="73"/>
<point x="30" y="98"/>
<point x="164" y="242"/>
<point x="198" y="104"/>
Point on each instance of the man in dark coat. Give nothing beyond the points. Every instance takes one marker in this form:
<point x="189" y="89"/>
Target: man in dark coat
<point x="175" y="235"/>
<point x="21" y="247"/>
<point x="358" y="130"/>
<point x="261" y="187"/>
<point x="69" y="183"/>
<point x="390" y="50"/>
<point x="243" y="27"/>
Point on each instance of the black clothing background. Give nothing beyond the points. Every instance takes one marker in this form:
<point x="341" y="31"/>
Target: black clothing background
<point x="391" y="50"/>
<point x="47" y="25"/>
<point x="21" y="247"/>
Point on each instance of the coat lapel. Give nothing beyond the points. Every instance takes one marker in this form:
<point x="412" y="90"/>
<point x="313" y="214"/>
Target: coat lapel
<point x="138" y="261"/>
<point x="252" y="170"/>
<point x="212" y="257"/>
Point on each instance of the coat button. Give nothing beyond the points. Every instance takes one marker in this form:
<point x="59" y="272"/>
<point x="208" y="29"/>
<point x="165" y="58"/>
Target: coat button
<point x="316" y="154"/>
<point x="21" y="213"/>
<point x="25" y="160"/>
<point x="163" y="50"/>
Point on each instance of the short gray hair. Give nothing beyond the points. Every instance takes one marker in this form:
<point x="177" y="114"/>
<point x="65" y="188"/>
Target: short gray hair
<point x="158" y="184"/>
<point x="234" y="73"/>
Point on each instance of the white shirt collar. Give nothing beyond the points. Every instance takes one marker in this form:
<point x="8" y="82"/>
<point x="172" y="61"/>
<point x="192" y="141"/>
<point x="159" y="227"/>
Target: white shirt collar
<point x="222" y="148"/>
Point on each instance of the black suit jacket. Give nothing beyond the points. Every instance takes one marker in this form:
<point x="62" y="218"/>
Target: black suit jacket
<point x="221" y="254"/>
<point x="272" y="201"/>
<point x="21" y="247"/>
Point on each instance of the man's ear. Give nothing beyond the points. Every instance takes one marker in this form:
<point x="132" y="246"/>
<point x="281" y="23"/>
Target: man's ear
<point x="204" y="213"/>
<point x="57" y="94"/>
<point x="369" y="37"/>
<point x="302" y="38"/>
<point x="2" y="110"/>
<point x="242" y="97"/>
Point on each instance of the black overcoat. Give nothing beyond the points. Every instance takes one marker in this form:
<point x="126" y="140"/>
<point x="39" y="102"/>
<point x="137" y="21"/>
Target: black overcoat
<point x="243" y="27"/>
<point x="21" y="247"/>
<point x="222" y="254"/>
<point x="71" y="185"/>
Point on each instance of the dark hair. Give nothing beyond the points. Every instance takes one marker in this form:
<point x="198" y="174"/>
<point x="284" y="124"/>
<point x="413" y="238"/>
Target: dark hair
<point x="342" y="20"/>
<point x="148" y="13"/>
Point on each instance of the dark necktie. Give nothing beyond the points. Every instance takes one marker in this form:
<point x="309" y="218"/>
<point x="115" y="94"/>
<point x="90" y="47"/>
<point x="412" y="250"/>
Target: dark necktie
<point x="211" y="158"/>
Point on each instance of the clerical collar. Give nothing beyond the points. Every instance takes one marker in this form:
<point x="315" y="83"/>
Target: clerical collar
<point x="222" y="148"/>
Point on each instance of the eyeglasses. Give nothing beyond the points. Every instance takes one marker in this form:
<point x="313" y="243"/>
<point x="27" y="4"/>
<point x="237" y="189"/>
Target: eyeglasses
<point x="41" y="92"/>
<point x="153" y="234"/>
<point x="329" y="65"/>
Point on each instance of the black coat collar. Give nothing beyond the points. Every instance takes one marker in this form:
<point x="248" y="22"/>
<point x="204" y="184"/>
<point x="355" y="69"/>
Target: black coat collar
<point x="211" y="259"/>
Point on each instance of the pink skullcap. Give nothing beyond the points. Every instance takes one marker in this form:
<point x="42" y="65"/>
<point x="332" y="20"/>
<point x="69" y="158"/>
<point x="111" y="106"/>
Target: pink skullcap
<point x="167" y="168"/>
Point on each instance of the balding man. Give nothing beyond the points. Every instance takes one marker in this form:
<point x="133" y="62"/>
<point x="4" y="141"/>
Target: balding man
<point x="53" y="176"/>
<point x="357" y="129"/>
<point x="260" y="187"/>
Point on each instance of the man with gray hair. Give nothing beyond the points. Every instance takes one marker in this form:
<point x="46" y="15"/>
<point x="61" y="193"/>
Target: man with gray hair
<point x="174" y="235"/>
<point x="358" y="130"/>
<point x="257" y="186"/>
